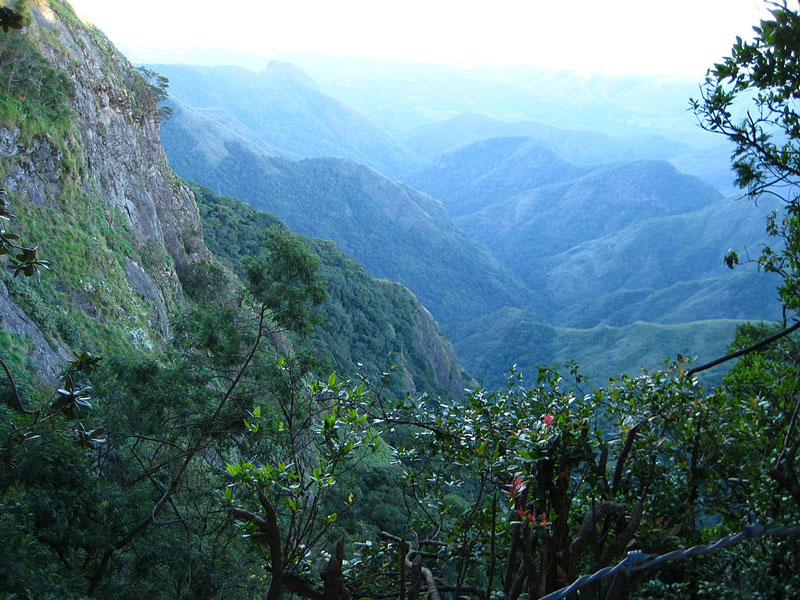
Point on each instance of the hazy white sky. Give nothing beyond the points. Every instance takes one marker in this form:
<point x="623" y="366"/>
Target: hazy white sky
<point x="680" y="37"/>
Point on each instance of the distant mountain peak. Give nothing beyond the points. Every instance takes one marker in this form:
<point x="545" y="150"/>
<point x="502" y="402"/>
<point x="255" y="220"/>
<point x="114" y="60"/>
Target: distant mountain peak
<point x="281" y="110"/>
<point x="287" y="72"/>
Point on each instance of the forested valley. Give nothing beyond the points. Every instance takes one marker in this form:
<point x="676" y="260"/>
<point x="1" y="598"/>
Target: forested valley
<point x="300" y="352"/>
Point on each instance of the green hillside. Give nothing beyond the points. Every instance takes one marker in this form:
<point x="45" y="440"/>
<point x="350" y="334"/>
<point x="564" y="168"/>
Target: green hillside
<point x="666" y="269"/>
<point x="136" y="364"/>
<point x="366" y="326"/>
<point x="513" y="337"/>
<point x="395" y="231"/>
<point x="547" y="220"/>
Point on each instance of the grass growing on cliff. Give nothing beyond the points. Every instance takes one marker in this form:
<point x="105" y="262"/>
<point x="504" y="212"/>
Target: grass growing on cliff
<point x="18" y="351"/>
<point x="33" y="95"/>
<point x="86" y="300"/>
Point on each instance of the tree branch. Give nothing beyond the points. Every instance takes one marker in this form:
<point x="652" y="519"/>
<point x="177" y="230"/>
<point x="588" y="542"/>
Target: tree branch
<point x="587" y="531"/>
<point x="785" y="475"/>
<point x="623" y="456"/>
<point x="752" y="348"/>
<point x="15" y="391"/>
<point x="416" y="563"/>
<point x="139" y="529"/>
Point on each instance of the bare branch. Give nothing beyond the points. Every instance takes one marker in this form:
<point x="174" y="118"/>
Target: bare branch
<point x="752" y="348"/>
<point x="623" y="456"/>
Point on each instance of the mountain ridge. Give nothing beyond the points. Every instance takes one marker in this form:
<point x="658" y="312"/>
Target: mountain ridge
<point x="583" y="147"/>
<point x="280" y="108"/>
<point x="395" y="231"/>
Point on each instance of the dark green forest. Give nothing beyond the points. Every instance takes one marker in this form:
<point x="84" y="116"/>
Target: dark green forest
<point x="197" y="401"/>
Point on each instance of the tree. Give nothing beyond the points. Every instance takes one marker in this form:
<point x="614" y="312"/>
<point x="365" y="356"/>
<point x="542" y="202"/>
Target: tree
<point x="751" y="98"/>
<point x="191" y="405"/>
<point x="149" y="490"/>
<point x="286" y="493"/>
<point x="516" y="493"/>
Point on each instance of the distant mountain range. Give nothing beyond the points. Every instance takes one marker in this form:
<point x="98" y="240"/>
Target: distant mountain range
<point x="282" y="111"/>
<point x="560" y="227"/>
<point x="402" y="96"/>
<point x="582" y="147"/>
<point x="392" y="229"/>
<point x="549" y="219"/>
<point x="475" y="175"/>
<point x="596" y="242"/>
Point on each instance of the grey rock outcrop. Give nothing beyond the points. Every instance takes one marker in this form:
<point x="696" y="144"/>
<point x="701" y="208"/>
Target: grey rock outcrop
<point x="111" y="152"/>
<point x="118" y="121"/>
<point x="49" y="356"/>
<point x="8" y="142"/>
<point x="143" y="284"/>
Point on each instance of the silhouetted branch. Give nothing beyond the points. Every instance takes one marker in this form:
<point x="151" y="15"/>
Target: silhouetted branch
<point x="743" y="351"/>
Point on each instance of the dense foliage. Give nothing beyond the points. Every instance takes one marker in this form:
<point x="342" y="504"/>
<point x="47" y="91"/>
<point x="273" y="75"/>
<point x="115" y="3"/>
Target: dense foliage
<point x="365" y="325"/>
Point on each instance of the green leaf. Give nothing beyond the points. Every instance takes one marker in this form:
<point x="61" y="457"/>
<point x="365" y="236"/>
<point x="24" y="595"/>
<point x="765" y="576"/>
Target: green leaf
<point x="731" y="259"/>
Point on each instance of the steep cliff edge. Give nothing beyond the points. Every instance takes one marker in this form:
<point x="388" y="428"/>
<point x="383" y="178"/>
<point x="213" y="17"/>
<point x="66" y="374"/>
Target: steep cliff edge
<point x="81" y="159"/>
<point x="118" y="120"/>
<point x="86" y="176"/>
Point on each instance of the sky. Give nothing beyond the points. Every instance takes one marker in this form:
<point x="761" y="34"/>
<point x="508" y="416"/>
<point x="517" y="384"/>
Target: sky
<point x="613" y="37"/>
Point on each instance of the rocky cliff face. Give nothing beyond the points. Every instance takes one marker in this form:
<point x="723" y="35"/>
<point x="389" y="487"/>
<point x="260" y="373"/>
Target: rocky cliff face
<point x="81" y="159"/>
<point x="94" y="188"/>
<point x="439" y="353"/>
<point x="118" y="122"/>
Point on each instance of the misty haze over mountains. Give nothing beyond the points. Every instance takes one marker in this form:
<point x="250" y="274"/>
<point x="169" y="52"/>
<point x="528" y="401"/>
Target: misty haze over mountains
<point x="506" y="200"/>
